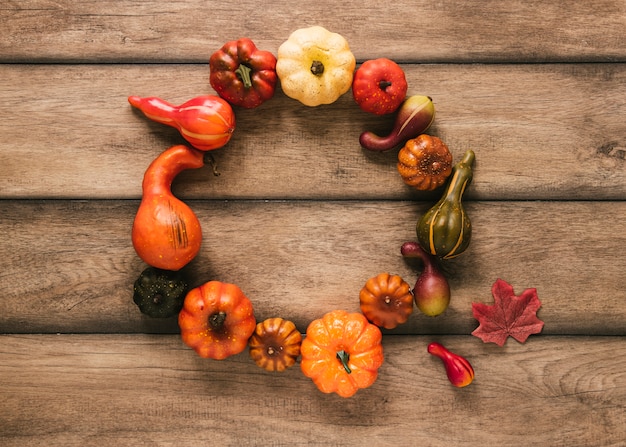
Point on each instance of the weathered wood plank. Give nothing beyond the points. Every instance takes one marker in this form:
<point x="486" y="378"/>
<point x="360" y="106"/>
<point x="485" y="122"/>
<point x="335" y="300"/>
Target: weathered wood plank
<point x="539" y="132"/>
<point x="61" y="390"/>
<point x="68" y="266"/>
<point x="551" y="128"/>
<point x="418" y="31"/>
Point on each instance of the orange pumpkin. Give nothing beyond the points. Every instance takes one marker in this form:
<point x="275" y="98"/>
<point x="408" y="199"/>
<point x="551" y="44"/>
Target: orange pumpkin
<point x="386" y="300"/>
<point x="275" y="344"/>
<point x="342" y="352"/>
<point x="216" y="320"/>
<point x="424" y="162"/>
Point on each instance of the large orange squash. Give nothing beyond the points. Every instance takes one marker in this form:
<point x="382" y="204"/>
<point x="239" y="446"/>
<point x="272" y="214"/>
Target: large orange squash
<point x="166" y="233"/>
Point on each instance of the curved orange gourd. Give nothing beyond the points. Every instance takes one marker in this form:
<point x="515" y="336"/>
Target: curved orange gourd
<point x="166" y="232"/>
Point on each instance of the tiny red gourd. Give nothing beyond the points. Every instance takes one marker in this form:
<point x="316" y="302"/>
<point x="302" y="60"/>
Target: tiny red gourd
<point x="459" y="371"/>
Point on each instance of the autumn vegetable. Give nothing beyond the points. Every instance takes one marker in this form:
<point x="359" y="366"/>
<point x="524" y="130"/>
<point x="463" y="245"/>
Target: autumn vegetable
<point x="509" y="315"/>
<point x="459" y="370"/>
<point x="342" y="352"/>
<point x="275" y="344"/>
<point x="445" y="230"/>
<point x="424" y="162"/>
<point x="413" y="118"/>
<point x="242" y="74"/>
<point x="386" y="300"/>
<point x="431" y="291"/>
<point x="206" y="122"/>
<point x="379" y="86"/>
<point x="217" y="320"/>
<point x="166" y="233"/>
<point x="315" y="66"/>
<point x="159" y="293"/>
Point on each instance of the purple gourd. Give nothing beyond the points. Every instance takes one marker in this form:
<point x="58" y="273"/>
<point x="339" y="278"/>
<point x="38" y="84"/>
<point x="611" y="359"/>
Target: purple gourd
<point x="413" y="118"/>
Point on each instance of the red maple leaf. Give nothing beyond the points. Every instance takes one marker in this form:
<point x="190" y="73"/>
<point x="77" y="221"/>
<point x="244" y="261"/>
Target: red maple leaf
<point x="509" y="315"/>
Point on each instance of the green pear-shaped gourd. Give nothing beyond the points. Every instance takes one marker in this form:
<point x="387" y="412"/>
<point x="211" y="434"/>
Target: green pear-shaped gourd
<point x="445" y="229"/>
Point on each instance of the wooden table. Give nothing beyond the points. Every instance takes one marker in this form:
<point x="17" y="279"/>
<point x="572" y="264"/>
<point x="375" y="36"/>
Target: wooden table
<point x="301" y="216"/>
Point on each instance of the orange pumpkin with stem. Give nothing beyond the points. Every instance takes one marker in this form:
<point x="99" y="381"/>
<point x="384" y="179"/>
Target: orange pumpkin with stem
<point x="216" y="320"/>
<point x="386" y="300"/>
<point x="342" y="352"/>
<point x="275" y="344"/>
<point x="424" y="162"/>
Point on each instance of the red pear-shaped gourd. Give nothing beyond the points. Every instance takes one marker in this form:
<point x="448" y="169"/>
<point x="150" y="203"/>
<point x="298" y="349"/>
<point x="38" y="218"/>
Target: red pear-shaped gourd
<point x="166" y="233"/>
<point x="431" y="291"/>
<point x="459" y="371"/>
<point x="206" y="122"/>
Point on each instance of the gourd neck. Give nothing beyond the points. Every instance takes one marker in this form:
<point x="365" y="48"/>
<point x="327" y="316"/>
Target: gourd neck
<point x="164" y="169"/>
<point x="461" y="175"/>
<point x="155" y="108"/>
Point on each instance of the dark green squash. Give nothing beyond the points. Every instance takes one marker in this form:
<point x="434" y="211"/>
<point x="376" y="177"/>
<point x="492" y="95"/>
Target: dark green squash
<point x="445" y="229"/>
<point x="160" y="293"/>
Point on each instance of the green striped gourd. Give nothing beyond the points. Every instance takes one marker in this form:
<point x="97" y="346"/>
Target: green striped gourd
<point x="445" y="229"/>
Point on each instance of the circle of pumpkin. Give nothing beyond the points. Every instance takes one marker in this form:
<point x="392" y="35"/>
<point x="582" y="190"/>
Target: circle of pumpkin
<point x="342" y="351"/>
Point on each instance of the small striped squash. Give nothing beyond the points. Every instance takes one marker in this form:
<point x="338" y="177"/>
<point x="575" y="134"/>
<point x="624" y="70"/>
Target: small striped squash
<point x="445" y="229"/>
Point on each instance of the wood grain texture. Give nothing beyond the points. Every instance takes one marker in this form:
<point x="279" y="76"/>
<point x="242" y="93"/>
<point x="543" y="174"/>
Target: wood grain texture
<point x="61" y="390"/>
<point x="409" y="31"/>
<point x="68" y="266"/>
<point x="301" y="216"/>
<point x="539" y="132"/>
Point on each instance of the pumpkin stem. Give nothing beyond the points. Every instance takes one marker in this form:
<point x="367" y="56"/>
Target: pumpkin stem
<point x="157" y="298"/>
<point x="344" y="357"/>
<point x="216" y="321"/>
<point x="317" y="68"/>
<point x="244" y="74"/>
